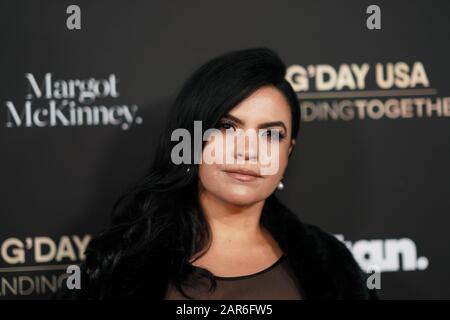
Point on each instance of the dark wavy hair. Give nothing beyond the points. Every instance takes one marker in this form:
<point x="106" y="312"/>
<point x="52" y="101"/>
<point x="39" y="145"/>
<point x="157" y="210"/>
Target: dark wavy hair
<point x="157" y="224"/>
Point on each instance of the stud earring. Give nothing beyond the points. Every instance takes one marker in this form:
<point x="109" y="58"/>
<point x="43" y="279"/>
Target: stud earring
<point x="280" y="185"/>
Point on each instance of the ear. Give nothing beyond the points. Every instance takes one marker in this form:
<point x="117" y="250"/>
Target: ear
<point x="291" y="146"/>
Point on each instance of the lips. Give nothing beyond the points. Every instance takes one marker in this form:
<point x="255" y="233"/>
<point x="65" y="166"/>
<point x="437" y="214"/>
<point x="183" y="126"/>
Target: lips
<point x="243" y="175"/>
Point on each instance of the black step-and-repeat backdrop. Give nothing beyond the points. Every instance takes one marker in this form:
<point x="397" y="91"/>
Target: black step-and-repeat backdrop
<point x="86" y="85"/>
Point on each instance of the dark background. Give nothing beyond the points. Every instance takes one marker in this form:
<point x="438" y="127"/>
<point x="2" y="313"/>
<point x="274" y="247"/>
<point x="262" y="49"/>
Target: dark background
<point x="365" y="179"/>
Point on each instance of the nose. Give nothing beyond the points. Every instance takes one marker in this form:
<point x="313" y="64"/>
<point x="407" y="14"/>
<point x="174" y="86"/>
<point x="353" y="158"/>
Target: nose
<point x="246" y="147"/>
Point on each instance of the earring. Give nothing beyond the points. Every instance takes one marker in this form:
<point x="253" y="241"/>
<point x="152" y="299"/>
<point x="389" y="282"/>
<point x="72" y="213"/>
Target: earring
<point x="280" y="185"/>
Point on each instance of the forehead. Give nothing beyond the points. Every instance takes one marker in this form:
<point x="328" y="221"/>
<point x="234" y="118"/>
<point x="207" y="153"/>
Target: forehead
<point x="265" y="105"/>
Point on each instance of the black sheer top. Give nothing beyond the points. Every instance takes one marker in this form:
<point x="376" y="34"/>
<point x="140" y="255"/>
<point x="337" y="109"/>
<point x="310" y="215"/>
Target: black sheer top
<point x="277" y="282"/>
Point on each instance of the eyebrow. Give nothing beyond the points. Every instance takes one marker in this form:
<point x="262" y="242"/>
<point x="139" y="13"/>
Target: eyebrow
<point x="262" y="125"/>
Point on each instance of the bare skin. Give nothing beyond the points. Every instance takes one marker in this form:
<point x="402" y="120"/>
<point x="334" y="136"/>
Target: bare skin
<point x="240" y="245"/>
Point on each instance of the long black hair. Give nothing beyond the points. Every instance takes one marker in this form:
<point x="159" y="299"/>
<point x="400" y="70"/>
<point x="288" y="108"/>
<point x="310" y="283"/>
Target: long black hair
<point x="157" y="224"/>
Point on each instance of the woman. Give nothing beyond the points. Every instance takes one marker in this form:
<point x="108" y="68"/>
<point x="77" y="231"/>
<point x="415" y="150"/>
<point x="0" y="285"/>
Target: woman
<point x="216" y="230"/>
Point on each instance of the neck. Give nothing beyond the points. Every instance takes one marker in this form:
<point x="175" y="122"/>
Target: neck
<point x="230" y="223"/>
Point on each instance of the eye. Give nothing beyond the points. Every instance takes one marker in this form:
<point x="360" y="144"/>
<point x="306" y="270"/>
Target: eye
<point x="226" y="125"/>
<point x="272" y="134"/>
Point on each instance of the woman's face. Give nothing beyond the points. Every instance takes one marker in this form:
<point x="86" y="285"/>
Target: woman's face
<point x="265" y="113"/>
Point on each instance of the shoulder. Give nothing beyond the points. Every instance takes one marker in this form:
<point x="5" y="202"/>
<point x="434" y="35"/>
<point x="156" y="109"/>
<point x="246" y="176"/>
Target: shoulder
<point x="338" y="263"/>
<point x="328" y="245"/>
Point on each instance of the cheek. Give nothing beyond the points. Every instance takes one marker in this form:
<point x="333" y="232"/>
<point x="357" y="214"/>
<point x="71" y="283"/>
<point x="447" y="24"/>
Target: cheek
<point x="284" y="155"/>
<point x="274" y="163"/>
<point x="208" y="174"/>
<point x="212" y="154"/>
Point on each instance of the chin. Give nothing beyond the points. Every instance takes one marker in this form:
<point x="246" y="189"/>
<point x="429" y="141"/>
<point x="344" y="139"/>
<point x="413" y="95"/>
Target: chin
<point x="242" y="198"/>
